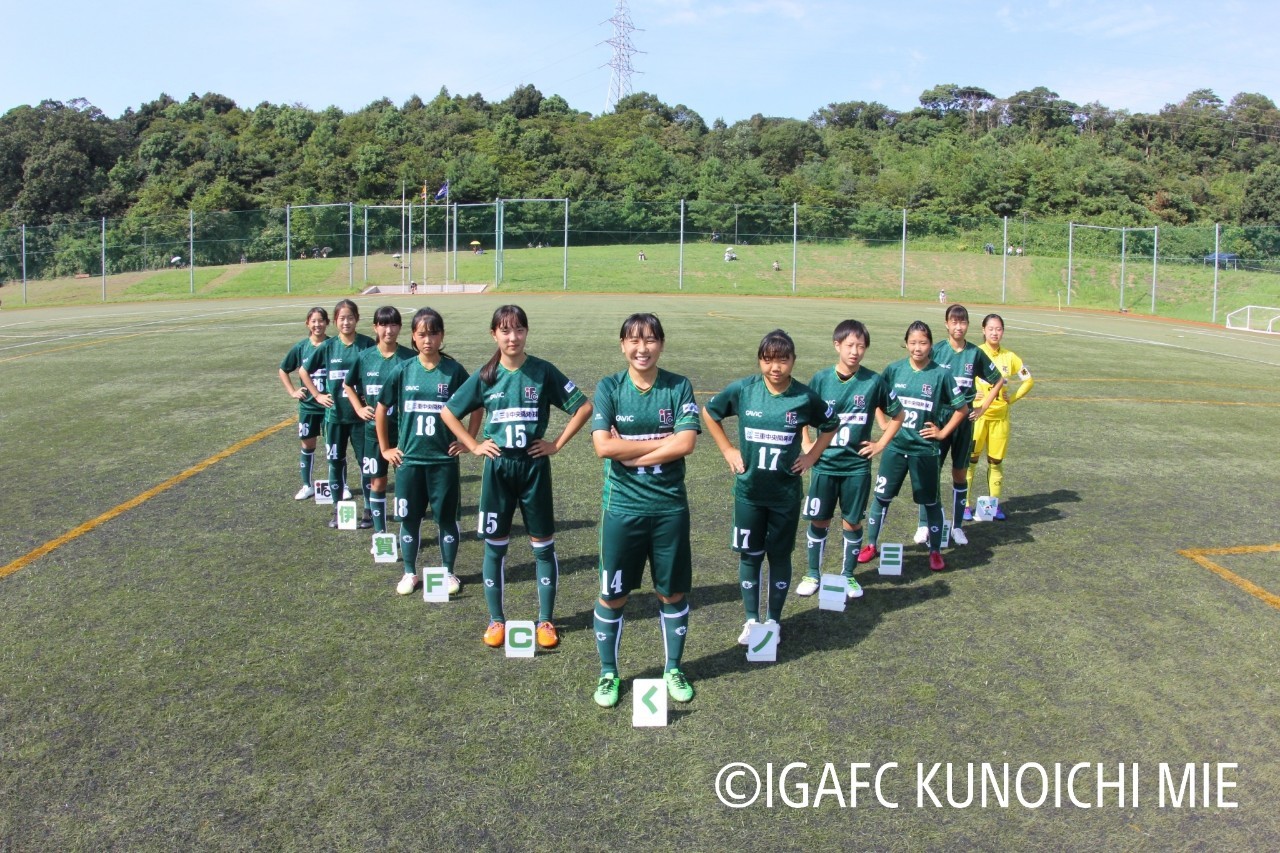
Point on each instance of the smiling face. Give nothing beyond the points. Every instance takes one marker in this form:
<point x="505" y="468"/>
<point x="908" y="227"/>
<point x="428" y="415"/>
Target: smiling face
<point x="510" y="338"/>
<point x="957" y="328"/>
<point x="347" y="321"/>
<point x="919" y="348"/>
<point x="317" y="325"/>
<point x="776" y="371"/>
<point x="993" y="332"/>
<point x="387" y="334"/>
<point x="642" y="350"/>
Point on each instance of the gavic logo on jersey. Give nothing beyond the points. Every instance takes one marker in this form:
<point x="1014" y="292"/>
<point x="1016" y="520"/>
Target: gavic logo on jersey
<point x="625" y="419"/>
<point x="752" y="413"/>
<point x="666" y="417"/>
<point x="496" y="395"/>
<point x="411" y="388"/>
<point x="530" y="394"/>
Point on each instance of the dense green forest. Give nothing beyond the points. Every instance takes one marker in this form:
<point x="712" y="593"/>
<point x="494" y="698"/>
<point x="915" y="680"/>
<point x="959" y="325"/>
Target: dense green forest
<point x="963" y="152"/>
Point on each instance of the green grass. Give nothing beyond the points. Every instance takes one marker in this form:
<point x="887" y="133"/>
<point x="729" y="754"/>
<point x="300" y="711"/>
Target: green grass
<point x="214" y="668"/>
<point x="847" y="269"/>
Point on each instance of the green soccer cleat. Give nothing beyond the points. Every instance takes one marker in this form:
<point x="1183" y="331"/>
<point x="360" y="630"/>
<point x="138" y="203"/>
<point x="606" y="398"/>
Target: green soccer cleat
<point x="678" y="687"/>
<point x="854" y="589"/>
<point x="808" y="586"/>
<point x="607" y="689"/>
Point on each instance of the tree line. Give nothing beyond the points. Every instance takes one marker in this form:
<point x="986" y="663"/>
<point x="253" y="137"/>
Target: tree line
<point x="963" y="152"/>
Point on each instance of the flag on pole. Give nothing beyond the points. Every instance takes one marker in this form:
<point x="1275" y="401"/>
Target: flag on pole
<point x="424" y="193"/>
<point x="443" y="191"/>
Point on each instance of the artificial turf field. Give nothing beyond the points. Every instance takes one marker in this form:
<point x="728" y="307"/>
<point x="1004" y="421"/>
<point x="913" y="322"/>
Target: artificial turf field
<point x="210" y="667"/>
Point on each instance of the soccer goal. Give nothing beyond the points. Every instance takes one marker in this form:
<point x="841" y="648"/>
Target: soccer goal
<point x="1255" y="318"/>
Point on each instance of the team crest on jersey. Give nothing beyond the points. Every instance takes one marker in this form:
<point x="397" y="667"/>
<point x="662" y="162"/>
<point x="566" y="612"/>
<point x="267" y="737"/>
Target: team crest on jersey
<point x="968" y="370"/>
<point x="792" y="419"/>
<point x="926" y="389"/>
<point x="443" y="389"/>
<point x="666" y="417"/>
<point x="530" y="394"/>
<point x="859" y="401"/>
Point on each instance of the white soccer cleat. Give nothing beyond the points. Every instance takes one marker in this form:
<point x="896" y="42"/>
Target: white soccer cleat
<point x="773" y="626"/>
<point x="407" y="584"/>
<point x="959" y="537"/>
<point x="454" y="584"/>
<point x="922" y="535"/>
<point x="808" y="586"/>
<point x="346" y="493"/>
<point x="745" y="636"/>
<point x="304" y="493"/>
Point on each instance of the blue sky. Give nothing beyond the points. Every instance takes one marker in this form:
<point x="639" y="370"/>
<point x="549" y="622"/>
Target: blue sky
<point x="723" y="58"/>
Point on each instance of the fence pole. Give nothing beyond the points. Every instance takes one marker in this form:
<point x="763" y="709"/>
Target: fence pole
<point x="24" y="264"/>
<point x="1124" y="235"/>
<point x="407" y="266"/>
<point x="1217" y="235"/>
<point x="680" y="272"/>
<point x="288" y="251"/>
<point x="1004" y="262"/>
<point x="351" y="244"/>
<point x="191" y="250"/>
<point x="1155" y="254"/>
<point x="566" y="243"/>
<point x="497" y="240"/>
<point x="366" y="244"/>
<point x="104" y="258"/>
<point x="902" y="277"/>
<point x="795" y="231"/>
<point x="1071" y="232"/>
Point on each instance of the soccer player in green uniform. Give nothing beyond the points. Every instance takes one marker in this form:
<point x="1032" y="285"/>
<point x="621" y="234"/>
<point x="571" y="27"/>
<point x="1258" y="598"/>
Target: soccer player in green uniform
<point x="772" y="411"/>
<point x="310" y="413"/>
<point x="645" y="423"/>
<point x="362" y="386"/>
<point x="337" y="356"/>
<point x="924" y="389"/>
<point x="842" y="474"/>
<point x="966" y="363"/>
<point x="424" y="452"/>
<point x="517" y="391"/>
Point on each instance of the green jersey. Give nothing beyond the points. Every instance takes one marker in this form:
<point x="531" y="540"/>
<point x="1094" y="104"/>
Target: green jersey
<point x="518" y="403"/>
<point x="966" y="365"/>
<point x="924" y="394"/>
<point x="371" y="368"/>
<point x="414" y="396"/>
<point x="769" y="428"/>
<point x="664" y="409"/>
<point x="855" y="401"/>
<point x="294" y="359"/>
<point x="336" y="358"/>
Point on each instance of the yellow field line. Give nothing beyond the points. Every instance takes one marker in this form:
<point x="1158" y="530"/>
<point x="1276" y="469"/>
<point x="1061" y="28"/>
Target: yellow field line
<point x="1201" y="556"/>
<point x="75" y="533"/>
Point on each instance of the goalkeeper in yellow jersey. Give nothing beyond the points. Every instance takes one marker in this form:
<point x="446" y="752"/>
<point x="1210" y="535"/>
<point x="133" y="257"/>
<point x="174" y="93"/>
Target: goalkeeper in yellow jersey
<point x="991" y="431"/>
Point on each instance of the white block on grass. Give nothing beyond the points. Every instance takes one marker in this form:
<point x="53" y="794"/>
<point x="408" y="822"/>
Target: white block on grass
<point x="521" y="639"/>
<point x="348" y="515"/>
<point x="435" y="585"/>
<point x="987" y="507"/>
<point x="891" y="559"/>
<point x="832" y="590"/>
<point x="385" y="548"/>
<point x="323" y="495"/>
<point x="649" y="702"/>
<point x="762" y="643"/>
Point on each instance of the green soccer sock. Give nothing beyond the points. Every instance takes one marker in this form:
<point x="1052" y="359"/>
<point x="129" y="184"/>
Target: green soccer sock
<point x="547" y="570"/>
<point x="875" y="520"/>
<point x="852" y="545"/>
<point x="749" y="580"/>
<point x="780" y="572"/>
<point x="493" y="569"/>
<point x="410" y="538"/>
<point x="817" y="542"/>
<point x="449" y="545"/>
<point x="378" y="504"/>
<point x="337" y="478"/>
<point x="305" y="461"/>
<point x="675" y="625"/>
<point x="959" y="497"/>
<point x="608" y="624"/>
<point x="935" y="526"/>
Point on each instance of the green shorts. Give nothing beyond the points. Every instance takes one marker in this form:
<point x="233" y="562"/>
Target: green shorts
<point x="516" y="480"/>
<point x="771" y="529"/>
<point x="627" y="541"/>
<point x="310" y="424"/>
<point x="372" y="463"/>
<point x="894" y="468"/>
<point x="850" y="491"/>
<point x="421" y="486"/>
<point x="958" y="444"/>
